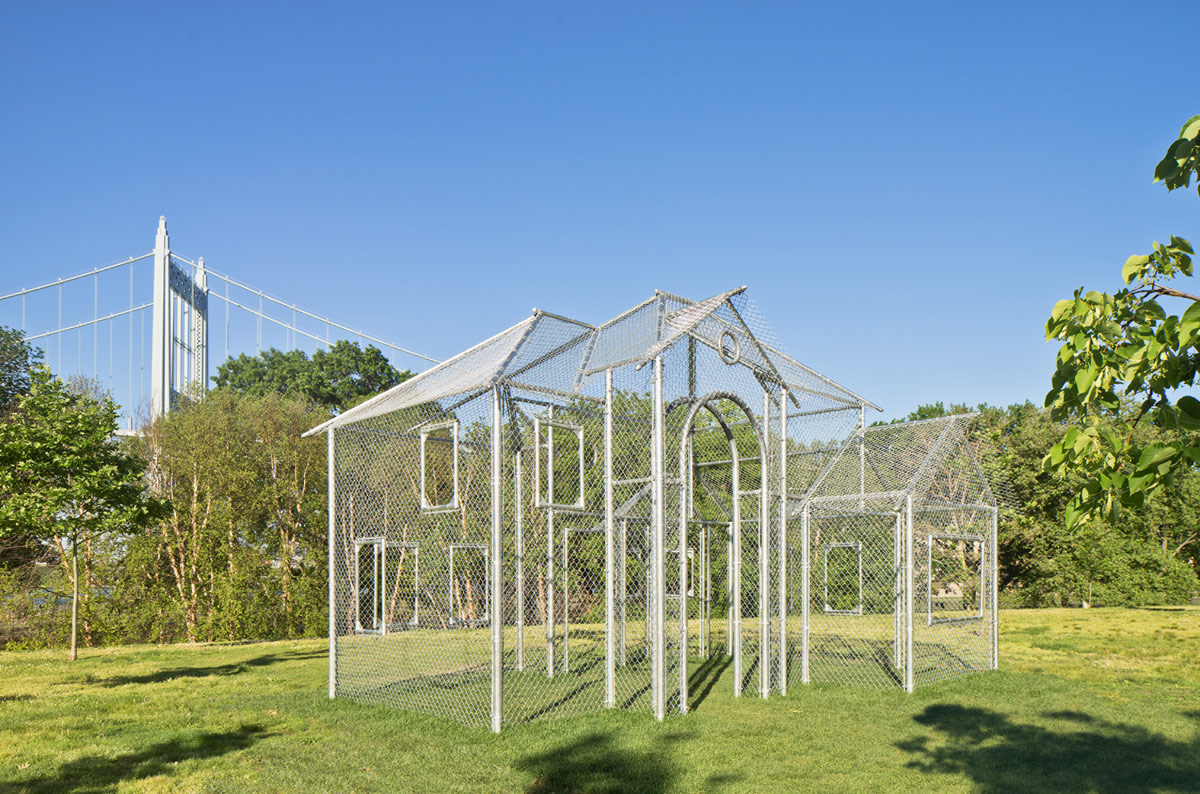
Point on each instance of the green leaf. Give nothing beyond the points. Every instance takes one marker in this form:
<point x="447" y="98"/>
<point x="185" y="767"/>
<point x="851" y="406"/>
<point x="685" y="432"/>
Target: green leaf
<point x="1155" y="454"/>
<point x="1134" y="266"/>
<point x="1190" y="128"/>
<point x="1060" y="308"/>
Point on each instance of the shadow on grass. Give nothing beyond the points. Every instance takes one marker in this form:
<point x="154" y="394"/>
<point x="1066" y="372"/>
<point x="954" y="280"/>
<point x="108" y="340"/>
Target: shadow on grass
<point x="232" y="668"/>
<point x="594" y="765"/>
<point x="14" y="698"/>
<point x="101" y="774"/>
<point x="1085" y="754"/>
<point x="704" y="678"/>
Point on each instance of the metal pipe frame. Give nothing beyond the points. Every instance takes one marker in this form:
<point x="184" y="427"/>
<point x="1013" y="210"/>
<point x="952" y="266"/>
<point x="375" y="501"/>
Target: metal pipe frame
<point x="426" y="505"/>
<point x="983" y="554"/>
<point x="520" y="559"/>
<point x="783" y="558"/>
<point x="995" y="572"/>
<point x="705" y="403"/>
<point x="610" y="674"/>
<point x="764" y="585"/>
<point x="898" y="590"/>
<point x="805" y="605"/>
<point x="332" y="496"/>
<point x="908" y="595"/>
<point x="550" y="620"/>
<point x="857" y="546"/>
<point x="495" y="608"/>
<point x="658" y="494"/>
<point x="550" y="426"/>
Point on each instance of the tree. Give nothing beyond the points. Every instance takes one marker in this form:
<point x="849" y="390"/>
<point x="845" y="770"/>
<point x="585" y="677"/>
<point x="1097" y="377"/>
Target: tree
<point x="242" y="551"/>
<point x="1125" y="350"/>
<point x="65" y="479"/>
<point x="335" y="378"/>
<point x="17" y="359"/>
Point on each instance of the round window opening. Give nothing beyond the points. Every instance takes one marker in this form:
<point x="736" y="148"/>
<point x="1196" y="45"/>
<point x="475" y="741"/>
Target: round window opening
<point x="729" y="348"/>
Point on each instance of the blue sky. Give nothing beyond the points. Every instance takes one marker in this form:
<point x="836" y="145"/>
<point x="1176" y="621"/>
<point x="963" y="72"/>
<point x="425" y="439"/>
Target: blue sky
<point x="906" y="189"/>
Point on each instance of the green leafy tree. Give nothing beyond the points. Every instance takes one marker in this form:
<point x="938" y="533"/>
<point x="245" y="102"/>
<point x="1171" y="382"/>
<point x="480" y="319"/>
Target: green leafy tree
<point x="335" y="378"/>
<point x="242" y="552"/>
<point x="17" y="360"/>
<point x="1123" y="350"/>
<point x="65" y="479"/>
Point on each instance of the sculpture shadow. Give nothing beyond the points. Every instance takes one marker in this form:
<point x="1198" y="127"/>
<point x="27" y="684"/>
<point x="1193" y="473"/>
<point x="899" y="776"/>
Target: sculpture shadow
<point x="1085" y="754"/>
<point x="99" y="774"/>
<point x="704" y="677"/>
<point x="595" y="765"/>
<point x="233" y="668"/>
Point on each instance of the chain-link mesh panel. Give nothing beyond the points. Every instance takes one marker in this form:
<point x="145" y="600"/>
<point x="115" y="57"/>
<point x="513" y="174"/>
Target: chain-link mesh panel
<point x="855" y="593"/>
<point x="411" y="560"/>
<point x="952" y="600"/>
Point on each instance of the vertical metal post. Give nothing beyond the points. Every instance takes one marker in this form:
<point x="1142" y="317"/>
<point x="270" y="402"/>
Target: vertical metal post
<point x="783" y="551"/>
<point x="898" y="588"/>
<point x="332" y="589"/>
<point x="862" y="455"/>
<point x="495" y="597"/>
<point x="566" y="597"/>
<point x="684" y="495"/>
<point x="657" y="546"/>
<point x="622" y="587"/>
<point x="995" y="592"/>
<point x="735" y="584"/>
<point x="610" y="670"/>
<point x="764" y="561"/>
<point x="908" y="594"/>
<point x="550" y="584"/>
<point x="804" y="597"/>
<point x="520" y="554"/>
<point x="160" y="334"/>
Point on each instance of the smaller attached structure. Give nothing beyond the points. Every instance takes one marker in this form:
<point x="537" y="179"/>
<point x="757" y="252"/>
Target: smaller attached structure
<point x="900" y="532"/>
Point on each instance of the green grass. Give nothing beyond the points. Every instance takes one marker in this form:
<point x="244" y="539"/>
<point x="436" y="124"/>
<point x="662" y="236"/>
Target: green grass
<point x="1086" y="701"/>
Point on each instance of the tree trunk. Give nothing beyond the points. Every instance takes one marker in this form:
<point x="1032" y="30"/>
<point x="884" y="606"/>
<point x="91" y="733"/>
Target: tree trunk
<point x="74" y="600"/>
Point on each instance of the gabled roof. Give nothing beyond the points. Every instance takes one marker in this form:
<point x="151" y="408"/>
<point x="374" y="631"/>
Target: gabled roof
<point x="929" y="459"/>
<point x="549" y="350"/>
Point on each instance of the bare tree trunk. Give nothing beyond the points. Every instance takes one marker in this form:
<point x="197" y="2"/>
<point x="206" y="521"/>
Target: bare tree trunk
<point x="74" y="601"/>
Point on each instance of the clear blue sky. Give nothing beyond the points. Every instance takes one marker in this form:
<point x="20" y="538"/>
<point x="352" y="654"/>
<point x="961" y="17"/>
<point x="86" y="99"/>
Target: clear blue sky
<point x="905" y="188"/>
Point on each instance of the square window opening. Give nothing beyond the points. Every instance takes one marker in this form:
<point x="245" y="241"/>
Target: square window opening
<point x="439" y="467"/>
<point x="954" y="591"/>
<point x="843" y="578"/>
<point x="559" y="465"/>
<point x="469" y="593"/>
<point x="401" y="571"/>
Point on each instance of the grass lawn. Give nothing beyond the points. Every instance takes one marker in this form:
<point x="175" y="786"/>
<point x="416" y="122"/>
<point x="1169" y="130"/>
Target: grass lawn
<point x="1086" y="701"/>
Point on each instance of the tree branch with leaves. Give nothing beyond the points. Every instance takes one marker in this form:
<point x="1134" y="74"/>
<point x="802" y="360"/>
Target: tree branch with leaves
<point x="1127" y="349"/>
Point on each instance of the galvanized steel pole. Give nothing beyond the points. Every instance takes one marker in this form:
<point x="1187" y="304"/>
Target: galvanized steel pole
<point x="735" y="586"/>
<point x="520" y="555"/>
<point x="332" y="491"/>
<point x="783" y="558"/>
<point x="610" y="673"/>
<point x="995" y="593"/>
<point x="657" y="546"/>
<point x="804" y="597"/>
<point x="764" y="563"/>
<point x="908" y="594"/>
<point x="495" y="596"/>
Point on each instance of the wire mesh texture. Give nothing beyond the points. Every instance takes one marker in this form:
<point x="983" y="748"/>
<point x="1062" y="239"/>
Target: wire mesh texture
<point x="570" y="517"/>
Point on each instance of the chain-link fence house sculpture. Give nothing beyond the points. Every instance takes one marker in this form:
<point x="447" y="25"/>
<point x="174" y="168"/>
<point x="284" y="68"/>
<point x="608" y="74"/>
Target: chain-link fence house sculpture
<point x="569" y="517"/>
